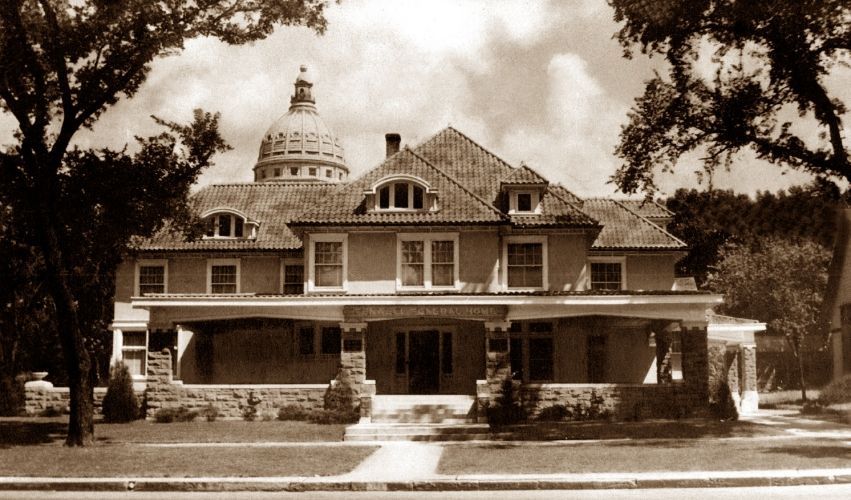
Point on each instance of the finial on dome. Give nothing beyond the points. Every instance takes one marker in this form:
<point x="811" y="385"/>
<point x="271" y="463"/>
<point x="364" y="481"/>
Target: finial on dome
<point x="303" y="88"/>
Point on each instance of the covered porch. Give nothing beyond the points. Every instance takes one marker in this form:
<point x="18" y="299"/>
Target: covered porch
<point x="574" y="349"/>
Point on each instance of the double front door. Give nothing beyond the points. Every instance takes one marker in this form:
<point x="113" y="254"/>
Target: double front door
<point x="422" y="358"/>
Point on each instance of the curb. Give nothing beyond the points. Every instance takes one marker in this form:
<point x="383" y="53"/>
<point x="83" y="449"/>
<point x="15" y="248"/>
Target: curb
<point x="437" y="484"/>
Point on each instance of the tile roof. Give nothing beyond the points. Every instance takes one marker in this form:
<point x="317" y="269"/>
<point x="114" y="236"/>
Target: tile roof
<point x="272" y="204"/>
<point x="457" y="204"/>
<point x="647" y="208"/>
<point x="524" y="175"/>
<point x="624" y="229"/>
<point x="468" y="179"/>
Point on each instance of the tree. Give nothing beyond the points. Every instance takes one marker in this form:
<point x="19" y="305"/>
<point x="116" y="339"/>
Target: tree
<point x="708" y="220"/>
<point x="770" y="56"/>
<point x="63" y="64"/>
<point x="781" y="283"/>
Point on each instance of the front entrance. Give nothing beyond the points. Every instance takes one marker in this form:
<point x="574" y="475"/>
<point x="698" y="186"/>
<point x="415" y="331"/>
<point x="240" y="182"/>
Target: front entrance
<point x="424" y="362"/>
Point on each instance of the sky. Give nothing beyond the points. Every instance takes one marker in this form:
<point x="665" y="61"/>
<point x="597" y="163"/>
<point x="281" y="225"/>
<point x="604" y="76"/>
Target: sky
<point x="537" y="82"/>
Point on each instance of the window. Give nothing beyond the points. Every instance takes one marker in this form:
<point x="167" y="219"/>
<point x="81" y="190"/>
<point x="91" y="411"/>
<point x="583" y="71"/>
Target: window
<point x="327" y="262"/>
<point x="225" y="225"/>
<point x="293" y="278"/>
<point x="525" y="263"/>
<point x="596" y="356"/>
<point x="134" y="352"/>
<point x="427" y="260"/>
<point x="532" y="351"/>
<point x="607" y="274"/>
<point x="293" y="170"/>
<point x="305" y="341"/>
<point x="277" y="172"/>
<point x="311" y="171"/>
<point x="331" y="340"/>
<point x="401" y="195"/>
<point x="524" y="202"/>
<point x="223" y="276"/>
<point x="151" y="276"/>
<point x="540" y="358"/>
<point x="328" y="173"/>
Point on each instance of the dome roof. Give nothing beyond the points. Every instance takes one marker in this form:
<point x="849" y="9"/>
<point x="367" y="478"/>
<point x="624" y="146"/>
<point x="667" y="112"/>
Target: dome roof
<point x="300" y="137"/>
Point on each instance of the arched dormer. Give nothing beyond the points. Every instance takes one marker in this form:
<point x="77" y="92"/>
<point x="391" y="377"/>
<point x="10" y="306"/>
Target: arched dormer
<point x="401" y="193"/>
<point x="228" y="223"/>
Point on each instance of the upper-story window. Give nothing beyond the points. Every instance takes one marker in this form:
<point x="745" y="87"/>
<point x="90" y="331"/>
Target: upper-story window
<point x="223" y="276"/>
<point x="327" y="262"/>
<point x="525" y="263"/>
<point x="427" y="260"/>
<point x="524" y="202"/>
<point x="401" y="193"/>
<point x="151" y="276"/>
<point x="608" y="273"/>
<point x="229" y="224"/>
<point x="293" y="276"/>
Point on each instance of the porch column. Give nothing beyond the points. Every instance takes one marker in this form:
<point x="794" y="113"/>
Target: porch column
<point x="184" y="337"/>
<point x="353" y="353"/>
<point x="664" y="365"/>
<point x="747" y="375"/>
<point x="498" y="357"/>
<point x="695" y="366"/>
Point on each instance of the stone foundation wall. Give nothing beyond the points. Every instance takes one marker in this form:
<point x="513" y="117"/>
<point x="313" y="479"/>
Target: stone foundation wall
<point x="45" y="398"/>
<point x="229" y="400"/>
<point x="613" y="401"/>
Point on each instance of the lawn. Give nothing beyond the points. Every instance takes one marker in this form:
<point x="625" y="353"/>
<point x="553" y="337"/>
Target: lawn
<point x="27" y="431"/>
<point x="648" y="429"/>
<point x="646" y="455"/>
<point x="148" y="461"/>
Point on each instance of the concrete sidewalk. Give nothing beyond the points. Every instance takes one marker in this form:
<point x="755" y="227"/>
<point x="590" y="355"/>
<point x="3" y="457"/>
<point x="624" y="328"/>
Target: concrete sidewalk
<point x="706" y="479"/>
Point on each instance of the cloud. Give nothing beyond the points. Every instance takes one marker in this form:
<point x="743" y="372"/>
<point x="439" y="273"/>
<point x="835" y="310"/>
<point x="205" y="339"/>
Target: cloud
<point x="575" y="140"/>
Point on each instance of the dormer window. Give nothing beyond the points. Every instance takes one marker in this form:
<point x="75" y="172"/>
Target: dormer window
<point x="524" y="202"/>
<point x="401" y="193"/>
<point x="229" y="225"/>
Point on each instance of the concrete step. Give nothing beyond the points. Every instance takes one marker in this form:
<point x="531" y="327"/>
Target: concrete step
<point x="411" y="432"/>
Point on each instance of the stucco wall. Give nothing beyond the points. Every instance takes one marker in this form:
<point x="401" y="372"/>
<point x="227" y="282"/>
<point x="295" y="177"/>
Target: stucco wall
<point x="650" y="272"/>
<point x="260" y="274"/>
<point x="187" y="275"/>
<point x="567" y="255"/>
<point x="372" y="263"/>
<point x="478" y="261"/>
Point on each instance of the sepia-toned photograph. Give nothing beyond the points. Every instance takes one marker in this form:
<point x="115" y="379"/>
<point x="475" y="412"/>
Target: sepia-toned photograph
<point x="431" y="249"/>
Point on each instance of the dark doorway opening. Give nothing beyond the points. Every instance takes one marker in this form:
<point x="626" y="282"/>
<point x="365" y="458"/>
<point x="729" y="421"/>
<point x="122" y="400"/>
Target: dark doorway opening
<point x="424" y="362"/>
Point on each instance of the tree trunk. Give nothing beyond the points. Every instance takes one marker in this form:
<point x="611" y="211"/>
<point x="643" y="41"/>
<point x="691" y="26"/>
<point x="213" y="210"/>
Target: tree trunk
<point x="801" y="376"/>
<point x="78" y="363"/>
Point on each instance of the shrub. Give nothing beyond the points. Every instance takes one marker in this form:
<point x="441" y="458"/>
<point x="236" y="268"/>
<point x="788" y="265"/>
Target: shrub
<point x="267" y="416"/>
<point x="836" y="392"/>
<point x="179" y="414"/>
<point x="52" y="411"/>
<point x="249" y="409"/>
<point x="723" y="407"/>
<point x="337" y="416"/>
<point x="210" y="412"/>
<point x="293" y="412"/>
<point x="120" y="403"/>
<point x="812" y="408"/>
<point x="506" y="409"/>
<point x="554" y="413"/>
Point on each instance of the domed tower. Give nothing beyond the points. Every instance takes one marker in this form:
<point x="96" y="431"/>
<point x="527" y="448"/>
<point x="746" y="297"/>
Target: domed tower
<point x="299" y="147"/>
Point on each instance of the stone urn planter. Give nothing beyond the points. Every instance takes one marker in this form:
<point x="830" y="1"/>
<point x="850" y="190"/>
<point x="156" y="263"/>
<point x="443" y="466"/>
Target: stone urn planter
<point x="38" y="382"/>
<point x="39" y="376"/>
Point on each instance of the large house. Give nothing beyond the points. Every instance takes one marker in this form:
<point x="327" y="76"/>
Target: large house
<point x="436" y="275"/>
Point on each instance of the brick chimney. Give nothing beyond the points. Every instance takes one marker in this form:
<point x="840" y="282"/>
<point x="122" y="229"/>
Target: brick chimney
<point x="393" y="141"/>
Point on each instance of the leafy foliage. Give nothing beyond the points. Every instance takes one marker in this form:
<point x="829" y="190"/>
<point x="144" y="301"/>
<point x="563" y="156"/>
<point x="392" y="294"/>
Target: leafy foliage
<point x="709" y="220"/>
<point x="120" y="403"/>
<point x="780" y="283"/>
<point x="63" y="64"/>
<point x="836" y="392"/>
<point x="179" y="414"/>
<point x="735" y="73"/>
